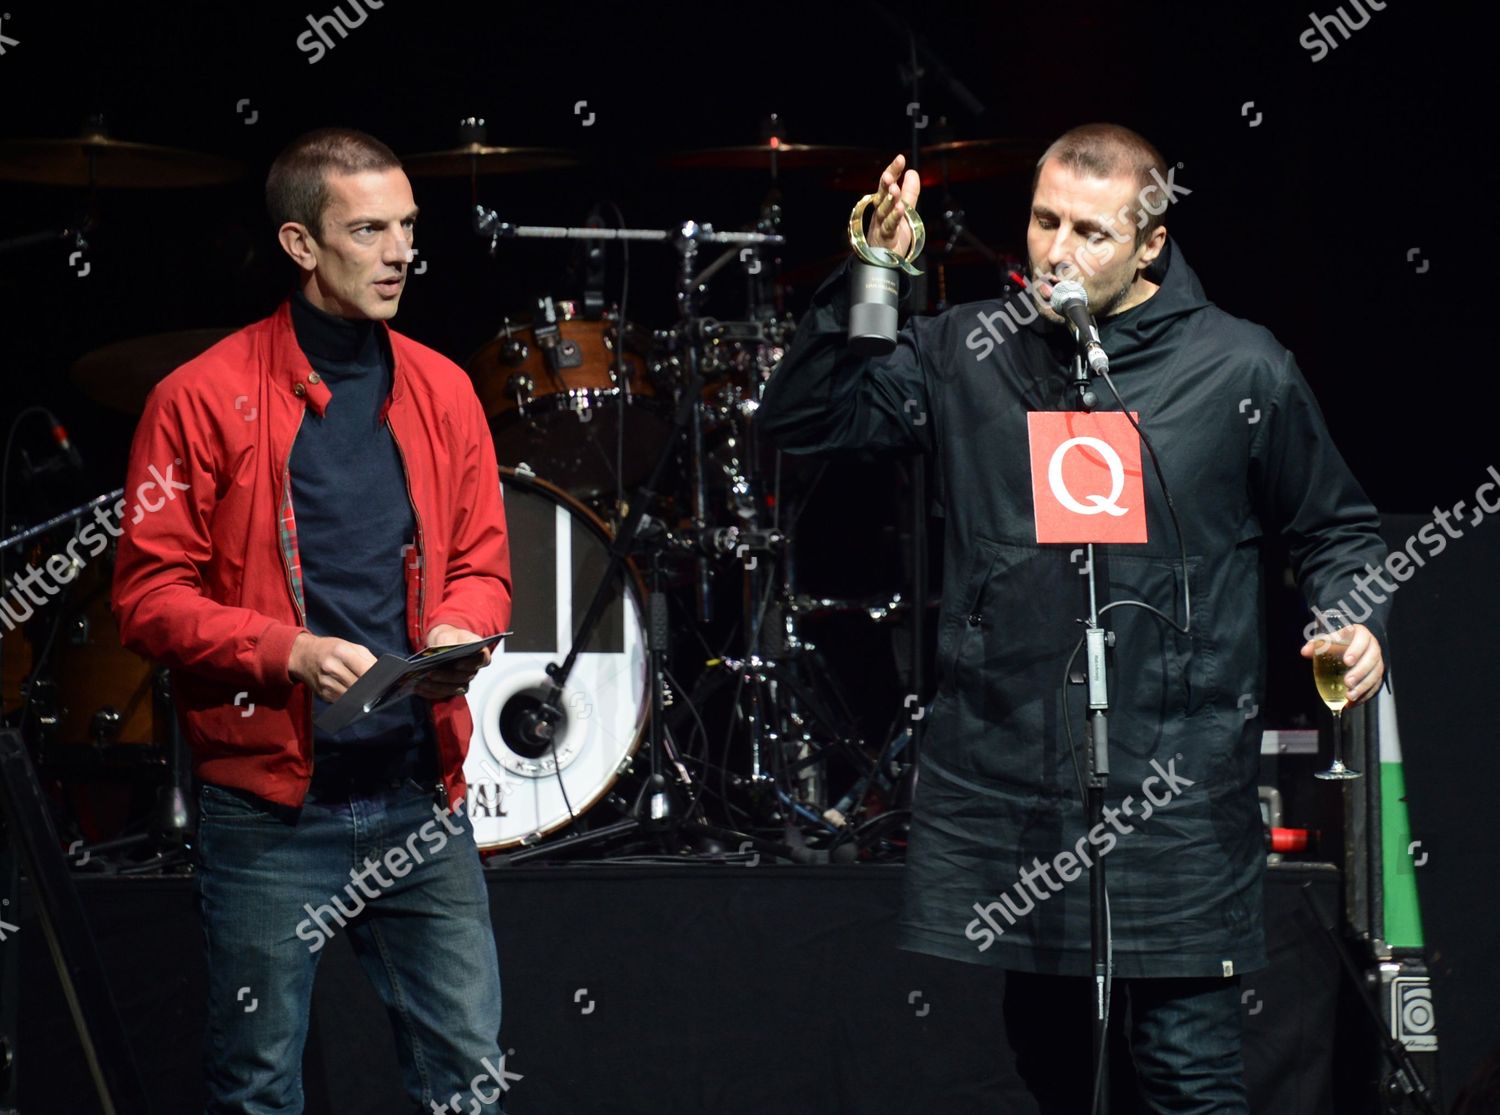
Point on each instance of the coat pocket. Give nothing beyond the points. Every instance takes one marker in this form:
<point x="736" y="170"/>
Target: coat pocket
<point x="960" y="608"/>
<point x="1162" y="674"/>
<point x="1017" y="609"/>
<point x="1019" y="612"/>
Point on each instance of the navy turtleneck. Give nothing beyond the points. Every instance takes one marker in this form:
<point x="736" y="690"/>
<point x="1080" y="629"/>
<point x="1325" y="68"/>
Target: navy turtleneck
<point x="354" y="516"/>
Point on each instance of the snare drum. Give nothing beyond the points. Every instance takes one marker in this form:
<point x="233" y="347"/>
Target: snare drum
<point x="520" y="792"/>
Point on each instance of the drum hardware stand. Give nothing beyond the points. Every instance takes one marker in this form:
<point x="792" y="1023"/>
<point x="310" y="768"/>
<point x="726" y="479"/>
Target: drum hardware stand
<point x="74" y="233"/>
<point x="175" y="821"/>
<point x="173" y="824"/>
<point x="766" y="696"/>
<point x="57" y="520"/>
<point x="488" y="223"/>
<point x="75" y="954"/>
<point x="656" y="809"/>
<point x="778" y="710"/>
<point x="1404" y="1080"/>
<point x="922" y="61"/>
<point x="905" y="790"/>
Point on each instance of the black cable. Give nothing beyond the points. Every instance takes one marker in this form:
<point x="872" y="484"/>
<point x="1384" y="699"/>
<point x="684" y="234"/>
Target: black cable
<point x="622" y="375"/>
<point x="1068" y="720"/>
<point x="10" y="438"/>
<point x="734" y="708"/>
<point x="1109" y="978"/>
<point x="701" y="730"/>
<point x="561" y="782"/>
<point x="1187" y="599"/>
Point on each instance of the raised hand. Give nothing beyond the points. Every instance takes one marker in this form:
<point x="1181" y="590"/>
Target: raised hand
<point x="898" y="193"/>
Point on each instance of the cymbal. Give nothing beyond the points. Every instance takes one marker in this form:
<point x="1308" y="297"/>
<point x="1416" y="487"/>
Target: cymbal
<point x="967" y="159"/>
<point x="966" y="255"/>
<point x="93" y="158"/>
<point x="962" y="160"/>
<point x="788" y="156"/>
<point x="121" y="375"/>
<point x="479" y="158"/>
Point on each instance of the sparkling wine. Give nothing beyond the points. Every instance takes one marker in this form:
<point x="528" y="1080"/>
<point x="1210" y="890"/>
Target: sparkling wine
<point x="1328" y="673"/>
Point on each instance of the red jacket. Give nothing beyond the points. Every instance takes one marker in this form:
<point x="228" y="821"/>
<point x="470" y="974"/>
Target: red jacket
<point x="207" y="578"/>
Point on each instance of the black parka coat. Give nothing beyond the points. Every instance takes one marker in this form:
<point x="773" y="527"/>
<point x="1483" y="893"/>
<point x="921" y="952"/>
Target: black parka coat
<point x="997" y="864"/>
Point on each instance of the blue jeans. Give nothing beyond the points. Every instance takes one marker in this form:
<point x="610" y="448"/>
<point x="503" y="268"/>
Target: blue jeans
<point x="273" y="886"/>
<point x="1181" y="1038"/>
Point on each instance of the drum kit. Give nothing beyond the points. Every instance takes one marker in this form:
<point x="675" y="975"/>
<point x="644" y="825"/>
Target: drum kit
<point x="645" y="516"/>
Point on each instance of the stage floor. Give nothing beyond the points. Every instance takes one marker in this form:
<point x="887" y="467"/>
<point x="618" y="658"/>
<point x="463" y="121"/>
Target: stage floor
<point x="681" y="989"/>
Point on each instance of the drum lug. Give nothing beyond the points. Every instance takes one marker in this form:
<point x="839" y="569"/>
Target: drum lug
<point x="105" y="724"/>
<point x="521" y="386"/>
<point x="624" y="767"/>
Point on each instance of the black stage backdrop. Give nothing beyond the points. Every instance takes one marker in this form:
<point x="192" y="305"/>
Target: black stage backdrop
<point x="1324" y="188"/>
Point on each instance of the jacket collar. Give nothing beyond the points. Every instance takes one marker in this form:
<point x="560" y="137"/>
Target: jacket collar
<point x="291" y="372"/>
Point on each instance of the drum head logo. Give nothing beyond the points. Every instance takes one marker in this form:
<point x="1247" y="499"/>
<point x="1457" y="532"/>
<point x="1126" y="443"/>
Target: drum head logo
<point x="1086" y="477"/>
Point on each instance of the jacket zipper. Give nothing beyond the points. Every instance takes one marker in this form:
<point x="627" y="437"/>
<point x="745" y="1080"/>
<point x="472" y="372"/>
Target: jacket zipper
<point x="416" y="515"/>
<point x="286" y="565"/>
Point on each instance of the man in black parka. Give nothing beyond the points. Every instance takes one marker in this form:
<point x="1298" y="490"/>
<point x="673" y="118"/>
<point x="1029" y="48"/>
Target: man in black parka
<point x="997" y="869"/>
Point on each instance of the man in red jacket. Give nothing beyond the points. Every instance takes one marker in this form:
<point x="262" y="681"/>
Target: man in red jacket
<point x="332" y="495"/>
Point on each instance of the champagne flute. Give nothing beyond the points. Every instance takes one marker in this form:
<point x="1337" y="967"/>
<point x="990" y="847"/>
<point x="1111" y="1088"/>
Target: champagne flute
<point x="1330" y="645"/>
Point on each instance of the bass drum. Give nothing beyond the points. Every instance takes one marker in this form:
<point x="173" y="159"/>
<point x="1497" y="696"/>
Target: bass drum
<point x="520" y="791"/>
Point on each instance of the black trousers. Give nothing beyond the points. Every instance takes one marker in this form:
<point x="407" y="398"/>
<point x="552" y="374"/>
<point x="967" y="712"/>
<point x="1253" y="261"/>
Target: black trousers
<point x="1174" y="1044"/>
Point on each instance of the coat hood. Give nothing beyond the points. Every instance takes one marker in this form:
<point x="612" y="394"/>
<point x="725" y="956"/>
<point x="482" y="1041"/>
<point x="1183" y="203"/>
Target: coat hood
<point x="1132" y="338"/>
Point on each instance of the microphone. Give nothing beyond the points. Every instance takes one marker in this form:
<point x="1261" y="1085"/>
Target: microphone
<point x="1071" y="301"/>
<point x="60" y="435"/>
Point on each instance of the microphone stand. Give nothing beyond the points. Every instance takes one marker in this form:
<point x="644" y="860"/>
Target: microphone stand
<point x="906" y="788"/>
<point x="1097" y="642"/>
<point x="1086" y="396"/>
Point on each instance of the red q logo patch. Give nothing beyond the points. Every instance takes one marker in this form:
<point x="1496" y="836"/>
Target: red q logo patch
<point x="1086" y="477"/>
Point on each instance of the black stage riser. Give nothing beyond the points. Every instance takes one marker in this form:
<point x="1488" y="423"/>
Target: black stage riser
<point x="719" y="990"/>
